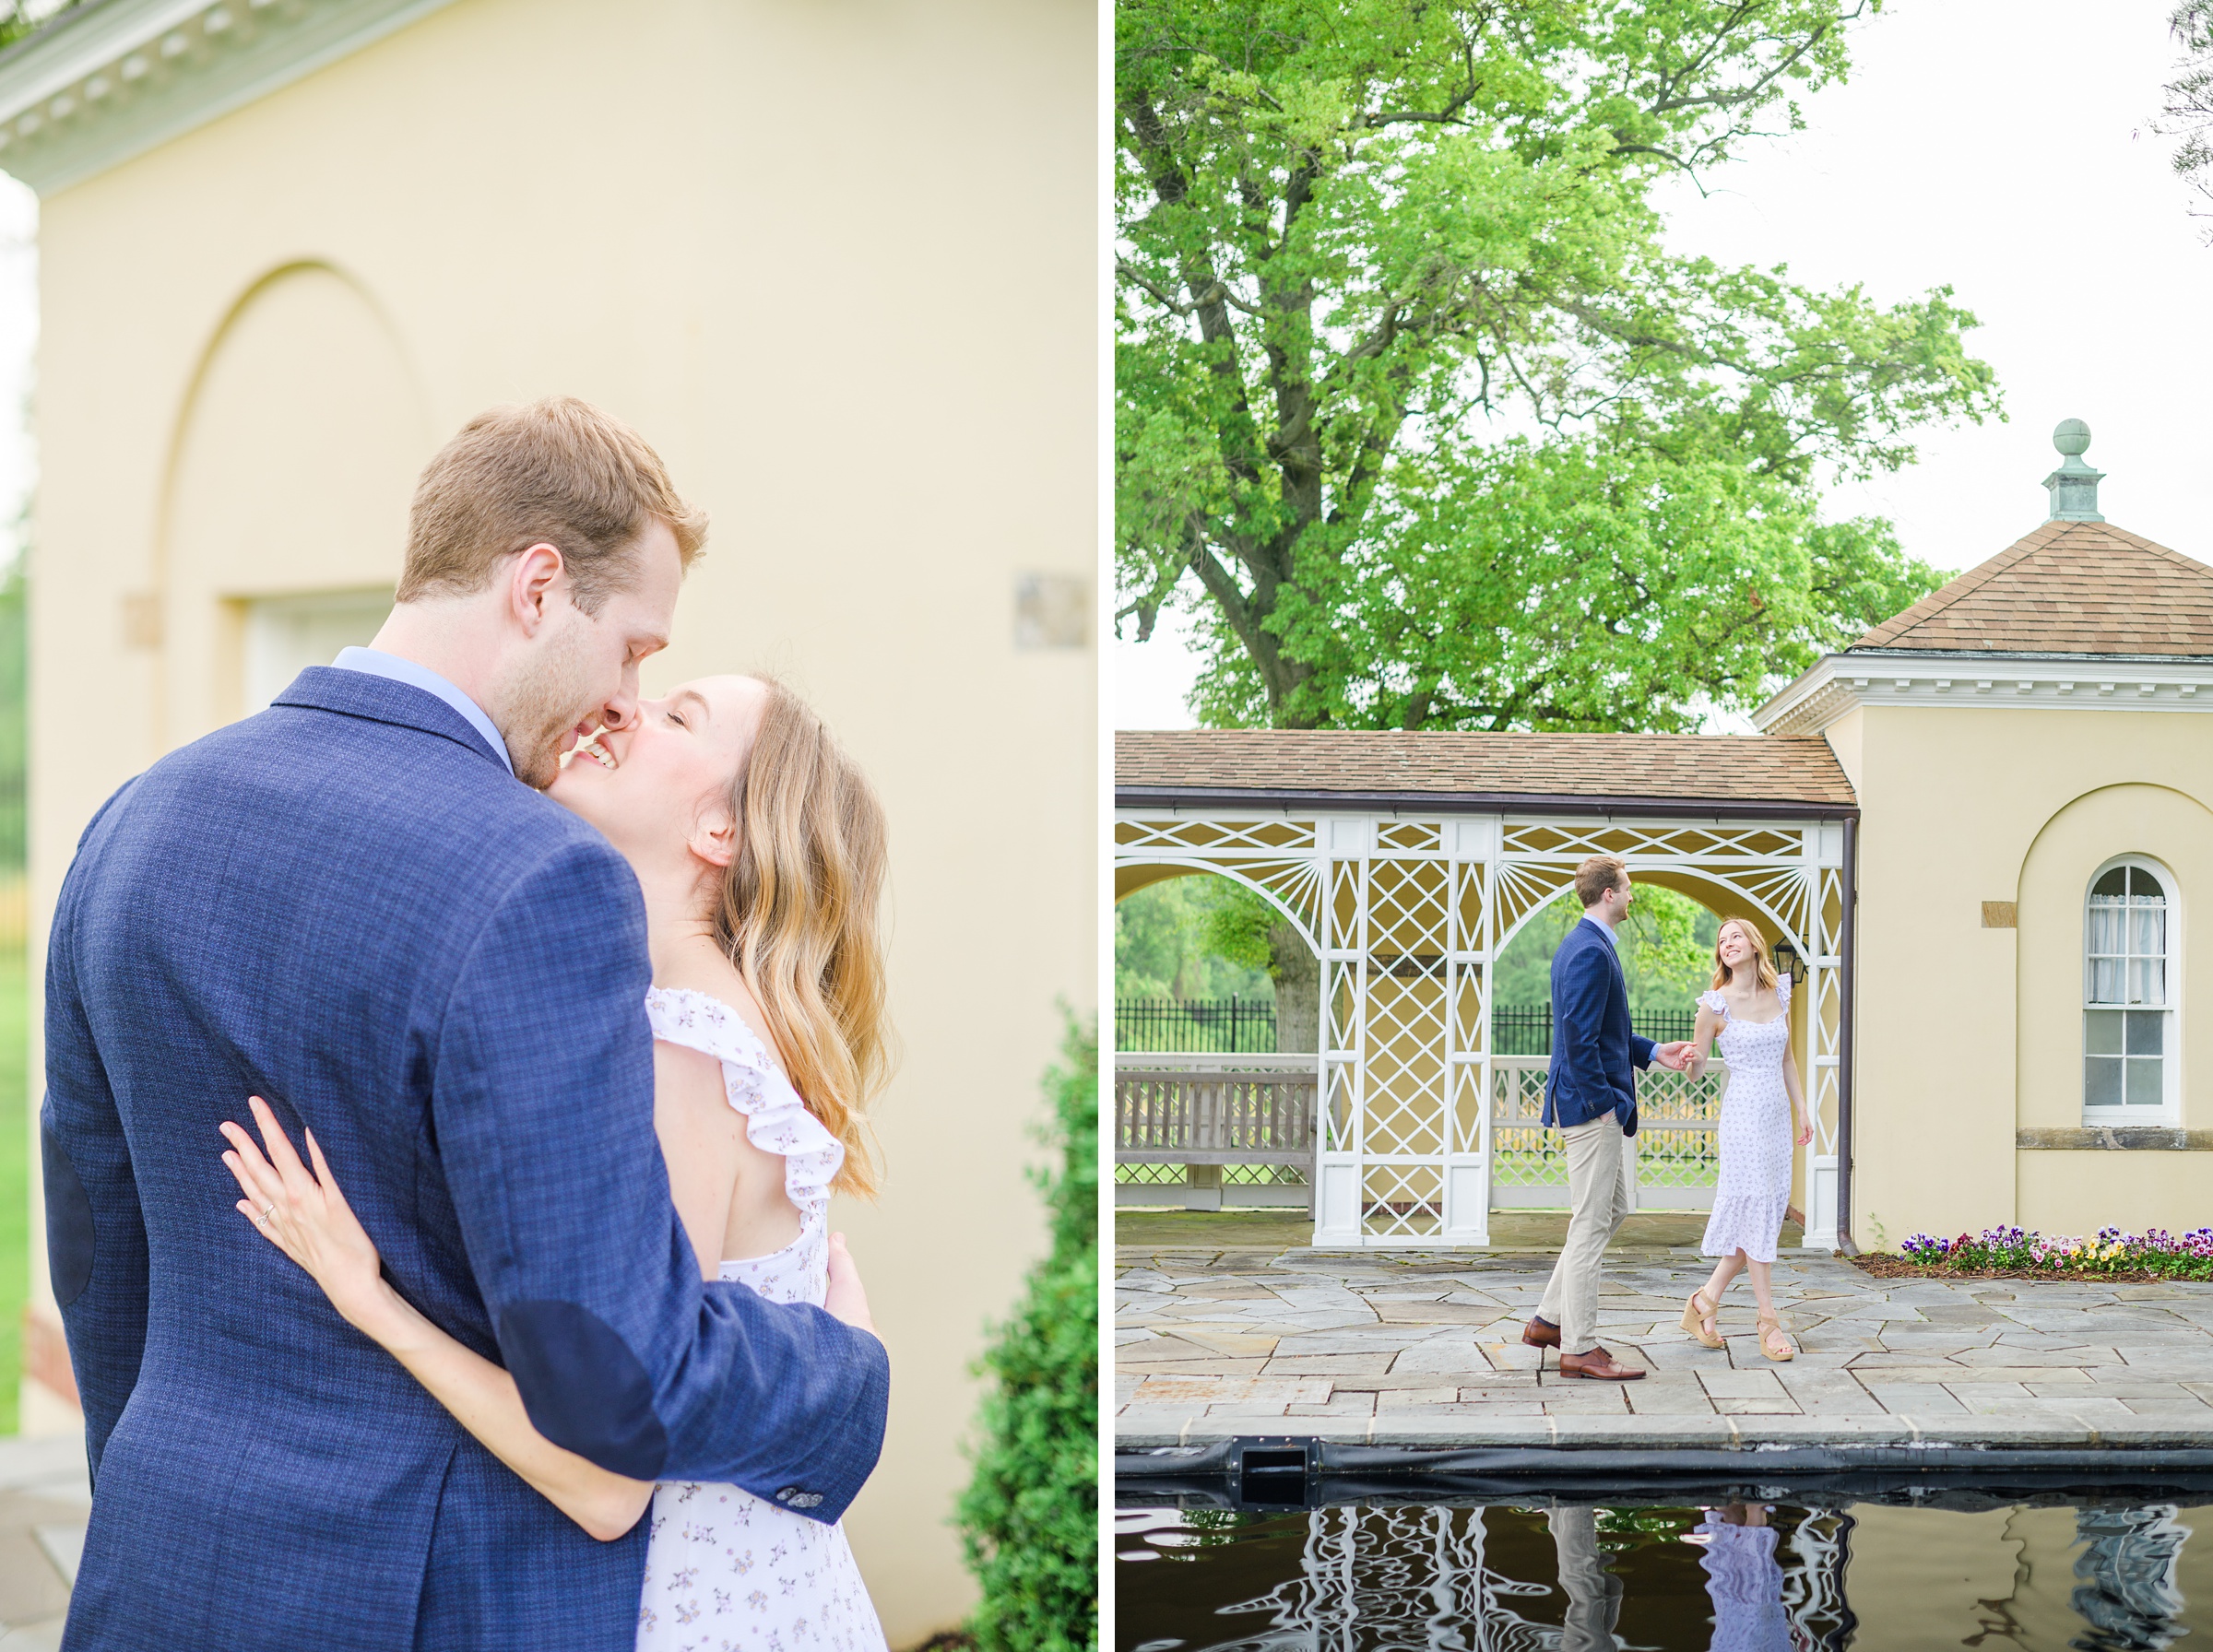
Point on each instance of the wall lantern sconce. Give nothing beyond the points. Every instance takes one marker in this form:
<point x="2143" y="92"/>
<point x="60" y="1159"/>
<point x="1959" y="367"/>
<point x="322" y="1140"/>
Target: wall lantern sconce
<point x="1788" y="962"/>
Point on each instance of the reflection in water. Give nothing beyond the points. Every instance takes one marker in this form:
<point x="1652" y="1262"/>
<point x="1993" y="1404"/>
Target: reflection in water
<point x="1593" y="1589"/>
<point x="1743" y="1580"/>
<point x="2129" y="1595"/>
<point x="1742" y="1576"/>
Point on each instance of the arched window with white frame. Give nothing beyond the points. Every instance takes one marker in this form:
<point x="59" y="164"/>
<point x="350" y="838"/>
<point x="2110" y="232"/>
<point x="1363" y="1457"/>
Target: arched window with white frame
<point x="2128" y="1022"/>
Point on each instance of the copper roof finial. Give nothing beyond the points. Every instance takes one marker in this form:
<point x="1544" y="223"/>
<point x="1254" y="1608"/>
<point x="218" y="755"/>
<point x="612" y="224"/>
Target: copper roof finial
<point x="2074" y="486"/>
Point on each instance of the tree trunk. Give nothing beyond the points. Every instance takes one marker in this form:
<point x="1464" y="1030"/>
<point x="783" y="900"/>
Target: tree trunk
<point x="1297" y="978"/>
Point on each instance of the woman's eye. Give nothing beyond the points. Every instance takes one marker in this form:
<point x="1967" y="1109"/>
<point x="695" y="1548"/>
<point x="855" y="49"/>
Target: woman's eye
<point x="678" y="718"/>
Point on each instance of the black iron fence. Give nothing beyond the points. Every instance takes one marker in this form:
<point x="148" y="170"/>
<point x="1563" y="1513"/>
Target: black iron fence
<point x="1215" y="1026"/>
<point x="1247" y="1026"/>
<point x="1526" y="1029"/>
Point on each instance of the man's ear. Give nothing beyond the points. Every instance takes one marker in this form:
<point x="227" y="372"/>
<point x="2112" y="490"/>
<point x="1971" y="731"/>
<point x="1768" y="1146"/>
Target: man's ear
<point x="539" y="576"/>
<point x="715" y="838"/>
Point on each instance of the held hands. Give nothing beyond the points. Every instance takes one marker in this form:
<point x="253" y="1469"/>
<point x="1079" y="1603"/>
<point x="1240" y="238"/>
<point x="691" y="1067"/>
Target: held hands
<point x="306" y="1217"/>
<point x="846" y="1300"/>
<point x="1675" y="1056"/>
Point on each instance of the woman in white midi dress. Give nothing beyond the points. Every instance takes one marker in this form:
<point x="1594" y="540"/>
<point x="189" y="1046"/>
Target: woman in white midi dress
<point x="1746" y="1016"/>
<point x="759" y="852"/>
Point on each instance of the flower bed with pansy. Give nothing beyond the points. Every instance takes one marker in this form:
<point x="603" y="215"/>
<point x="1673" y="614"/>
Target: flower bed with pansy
<point x="2018" y="1253"/>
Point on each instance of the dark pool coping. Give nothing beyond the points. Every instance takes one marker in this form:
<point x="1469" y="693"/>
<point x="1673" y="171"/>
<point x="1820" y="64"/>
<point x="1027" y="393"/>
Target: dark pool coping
<point x="1772" y="1438"/>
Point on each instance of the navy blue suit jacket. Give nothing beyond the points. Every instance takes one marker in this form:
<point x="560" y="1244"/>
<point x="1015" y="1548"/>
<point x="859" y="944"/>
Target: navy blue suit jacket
<point x="347" y="905"/>
<point x="1592" y="1045"/>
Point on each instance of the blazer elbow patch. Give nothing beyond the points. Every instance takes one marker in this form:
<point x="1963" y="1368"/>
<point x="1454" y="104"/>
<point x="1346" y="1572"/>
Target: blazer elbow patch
<point x="584" y="1388"/>
<point x="69" y="1232"/>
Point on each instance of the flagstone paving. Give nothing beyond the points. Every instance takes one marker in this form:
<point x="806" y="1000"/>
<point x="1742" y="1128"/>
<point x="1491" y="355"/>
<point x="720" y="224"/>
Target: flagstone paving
<point x="1425" y="1347"/>
<point x="44" y="1494"/>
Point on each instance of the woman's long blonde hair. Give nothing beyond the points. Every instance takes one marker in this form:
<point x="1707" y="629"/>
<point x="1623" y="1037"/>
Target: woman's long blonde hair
<point x="1763" y="968"/>
<point x="798" y="915"/>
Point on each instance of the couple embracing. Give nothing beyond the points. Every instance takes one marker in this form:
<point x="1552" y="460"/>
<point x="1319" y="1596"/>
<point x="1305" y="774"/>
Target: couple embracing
<point x="514" y="1321"/>
<point x="1590" y="1096"/>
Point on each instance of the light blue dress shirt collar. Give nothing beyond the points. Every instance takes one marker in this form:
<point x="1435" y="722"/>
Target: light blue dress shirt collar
<point x="1602" y="928"/>
<point x="377" y="663"/>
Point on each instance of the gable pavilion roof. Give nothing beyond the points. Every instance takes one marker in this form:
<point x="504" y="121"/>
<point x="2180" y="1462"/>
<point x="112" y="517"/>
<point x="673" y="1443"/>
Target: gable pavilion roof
<point x="2069" y="588"/>
<point x="1579" y="773"/>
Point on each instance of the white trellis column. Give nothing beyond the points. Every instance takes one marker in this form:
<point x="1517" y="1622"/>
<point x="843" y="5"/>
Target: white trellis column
<point x="1824" y="1025"/>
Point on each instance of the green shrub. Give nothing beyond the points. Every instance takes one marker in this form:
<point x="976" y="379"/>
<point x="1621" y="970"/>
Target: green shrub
<point x="1030" y="1516"/>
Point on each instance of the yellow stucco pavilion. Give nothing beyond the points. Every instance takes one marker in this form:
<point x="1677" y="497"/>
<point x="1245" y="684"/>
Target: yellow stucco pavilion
<point x="1984" y="827"/>
<point x="287" y="247"/>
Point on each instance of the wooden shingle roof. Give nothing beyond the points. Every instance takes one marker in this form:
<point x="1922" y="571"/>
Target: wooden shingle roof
<point x="2069" y="588"/>
<point x="1649" y="771"/>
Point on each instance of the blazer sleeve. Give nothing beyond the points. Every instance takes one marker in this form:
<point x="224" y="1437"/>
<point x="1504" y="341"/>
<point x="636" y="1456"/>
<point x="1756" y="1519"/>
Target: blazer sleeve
<point x="1579" y="1023"/>
<point x="1641" y="1049"/>
<point x="542" y="1103"/>
<point x="95" y="1232"/>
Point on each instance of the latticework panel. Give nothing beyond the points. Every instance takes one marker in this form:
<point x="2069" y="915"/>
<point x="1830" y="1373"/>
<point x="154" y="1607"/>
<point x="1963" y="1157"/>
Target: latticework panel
<point x="1262" y="1175"/>
<point x="1632" y="840"/>
<point x="1405" y="1060"/>
<point x="1149" y="1175"/>
<point x="1402" y="1201"/>
<point x="1678" y="1134"/>
<point x="1525" y="1152"/>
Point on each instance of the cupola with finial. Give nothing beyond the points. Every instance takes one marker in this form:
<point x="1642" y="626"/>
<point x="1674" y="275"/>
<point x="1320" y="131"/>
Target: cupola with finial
<point x="2074" y="486"/>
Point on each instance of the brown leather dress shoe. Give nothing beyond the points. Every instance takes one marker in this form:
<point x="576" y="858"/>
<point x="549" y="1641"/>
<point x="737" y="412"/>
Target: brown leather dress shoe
<point x="1538" y="1334"/>
<point x="1598" y="1365"/>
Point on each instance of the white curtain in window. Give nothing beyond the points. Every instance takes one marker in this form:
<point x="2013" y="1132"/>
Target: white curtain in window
<point x="2147" y="948"/>
<point x="2108" y="940"/>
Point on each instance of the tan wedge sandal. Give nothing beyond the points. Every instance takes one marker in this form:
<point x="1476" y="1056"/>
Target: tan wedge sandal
<point x="1771" y="1326"/>
<point x="1695" y="1313"/>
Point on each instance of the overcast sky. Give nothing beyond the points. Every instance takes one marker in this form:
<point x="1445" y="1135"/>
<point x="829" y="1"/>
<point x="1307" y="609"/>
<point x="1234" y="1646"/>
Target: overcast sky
<point x="2002" y="147"/>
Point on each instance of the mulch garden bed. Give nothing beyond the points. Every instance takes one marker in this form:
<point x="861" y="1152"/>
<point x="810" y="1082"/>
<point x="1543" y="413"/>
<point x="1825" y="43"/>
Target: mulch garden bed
<point x="1883" y="1265"/>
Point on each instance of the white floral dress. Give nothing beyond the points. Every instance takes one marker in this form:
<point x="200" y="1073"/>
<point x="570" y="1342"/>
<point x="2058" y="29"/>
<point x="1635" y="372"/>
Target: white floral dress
<point x="1753" y="1188"/>
<point x="726" y="1570"/>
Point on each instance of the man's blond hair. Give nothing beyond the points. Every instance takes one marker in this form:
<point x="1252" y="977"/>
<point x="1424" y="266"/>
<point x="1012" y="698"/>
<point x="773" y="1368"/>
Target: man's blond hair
<point x="1596" y="876"/>
<point x="557" y="472"/>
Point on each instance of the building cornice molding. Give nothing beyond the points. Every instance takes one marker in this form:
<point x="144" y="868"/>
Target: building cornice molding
<point x="1844" y="682"/>
<point x="107" y="81"/>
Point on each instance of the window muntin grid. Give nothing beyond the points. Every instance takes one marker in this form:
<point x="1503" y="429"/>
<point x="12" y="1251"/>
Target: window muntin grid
<point x="2127" y="979"/>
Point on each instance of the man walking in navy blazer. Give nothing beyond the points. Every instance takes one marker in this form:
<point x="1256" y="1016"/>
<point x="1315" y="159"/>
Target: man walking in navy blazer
<point x="1590" y="1095"/>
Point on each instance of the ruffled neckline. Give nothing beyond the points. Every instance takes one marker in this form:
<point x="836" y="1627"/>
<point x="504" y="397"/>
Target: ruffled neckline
<point x="1714" y="1001"/>
<point x="776" y="1119"/>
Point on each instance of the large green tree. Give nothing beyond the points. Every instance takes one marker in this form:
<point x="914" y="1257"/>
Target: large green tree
<point x="1422" y="417"/>
<point x="2188" y="110"/>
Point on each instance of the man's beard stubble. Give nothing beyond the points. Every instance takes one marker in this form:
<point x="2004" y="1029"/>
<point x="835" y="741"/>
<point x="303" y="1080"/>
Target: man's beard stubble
<point x="544" y="706"/>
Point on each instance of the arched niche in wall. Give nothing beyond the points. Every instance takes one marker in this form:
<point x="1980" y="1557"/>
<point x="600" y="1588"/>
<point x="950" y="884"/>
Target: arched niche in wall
<point x="295" y="455"/>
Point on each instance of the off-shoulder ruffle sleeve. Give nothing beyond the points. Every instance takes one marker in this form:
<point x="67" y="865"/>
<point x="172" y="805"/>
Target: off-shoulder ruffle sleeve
<point x="1714" y="1001"/>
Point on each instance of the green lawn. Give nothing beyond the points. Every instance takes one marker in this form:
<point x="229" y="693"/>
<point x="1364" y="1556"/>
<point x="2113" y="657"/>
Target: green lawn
<point x="14" y="1174"/>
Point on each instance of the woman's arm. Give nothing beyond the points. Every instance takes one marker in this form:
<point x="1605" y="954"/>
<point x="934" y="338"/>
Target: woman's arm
<point x="307" y="1218"/>
<point x="1805" y="1132"/>
<point x="1701" y="1040"/>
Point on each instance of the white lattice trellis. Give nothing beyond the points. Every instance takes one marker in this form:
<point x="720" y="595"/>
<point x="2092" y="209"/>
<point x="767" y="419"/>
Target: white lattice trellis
<point x="1407" y="912"/>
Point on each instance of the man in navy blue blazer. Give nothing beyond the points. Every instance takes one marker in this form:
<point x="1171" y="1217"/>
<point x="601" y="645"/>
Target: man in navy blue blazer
<point x="1590" y="1095"/>
<point x="359" y="905"/>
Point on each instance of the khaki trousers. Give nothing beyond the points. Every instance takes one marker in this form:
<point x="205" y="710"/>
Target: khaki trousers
<point x="1598" y="1198"/>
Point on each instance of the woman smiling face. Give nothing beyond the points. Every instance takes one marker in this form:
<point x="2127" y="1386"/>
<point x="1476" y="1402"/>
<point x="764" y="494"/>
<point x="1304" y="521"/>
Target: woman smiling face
<point x="1733" y="945"/>
<point x="662" y="787"/>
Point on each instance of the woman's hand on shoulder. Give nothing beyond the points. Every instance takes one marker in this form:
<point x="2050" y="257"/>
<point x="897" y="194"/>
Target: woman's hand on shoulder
<point x="305" y="1215"/>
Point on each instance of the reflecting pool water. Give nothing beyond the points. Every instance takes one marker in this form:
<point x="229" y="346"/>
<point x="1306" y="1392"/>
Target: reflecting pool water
<point x="1894" y="1576"/>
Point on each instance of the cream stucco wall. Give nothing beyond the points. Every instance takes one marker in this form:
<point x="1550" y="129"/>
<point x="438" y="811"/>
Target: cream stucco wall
<point x="837" y="263"/>
<point x="1965" y="1033"/>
